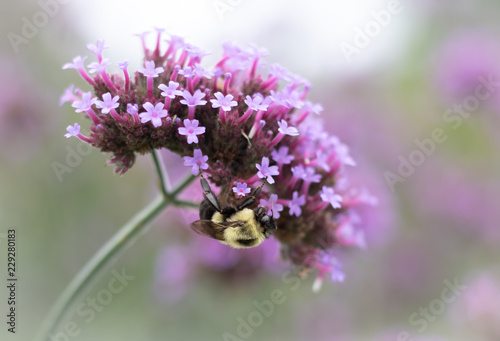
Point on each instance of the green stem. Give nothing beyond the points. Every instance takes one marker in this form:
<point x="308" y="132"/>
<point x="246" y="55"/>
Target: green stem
<point x="125" y="237"/>
<point x="160" y="169"/>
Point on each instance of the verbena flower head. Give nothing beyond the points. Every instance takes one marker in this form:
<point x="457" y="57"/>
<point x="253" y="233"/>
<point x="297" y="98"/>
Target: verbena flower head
<point x="236" y="123"/>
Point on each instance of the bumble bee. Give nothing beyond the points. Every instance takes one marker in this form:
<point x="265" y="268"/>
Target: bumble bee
<point x="239" y="227"/>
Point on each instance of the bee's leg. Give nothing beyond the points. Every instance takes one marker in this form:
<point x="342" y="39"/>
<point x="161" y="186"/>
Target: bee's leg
<point x="251" y="199"/>
<point x="209" y="195"/>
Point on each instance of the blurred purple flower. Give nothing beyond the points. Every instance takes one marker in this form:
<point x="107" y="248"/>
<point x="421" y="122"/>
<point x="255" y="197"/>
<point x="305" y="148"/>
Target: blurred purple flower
<point x="180" y="267"/>
<point x="24" y="111"/>
<point x="464" y="58"/>
<point x="449" y="195"/>
<point x="281" y="156"/>
<point x="295" y="204"/>
<point x="479" y="306"/>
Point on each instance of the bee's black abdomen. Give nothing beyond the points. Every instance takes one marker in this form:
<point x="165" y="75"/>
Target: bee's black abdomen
<point x="247" y="242"/>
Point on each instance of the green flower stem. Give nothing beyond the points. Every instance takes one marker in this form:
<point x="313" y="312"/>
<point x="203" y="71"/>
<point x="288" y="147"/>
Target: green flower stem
<point x="125" y="237"/>
<point x="162" y="174"/>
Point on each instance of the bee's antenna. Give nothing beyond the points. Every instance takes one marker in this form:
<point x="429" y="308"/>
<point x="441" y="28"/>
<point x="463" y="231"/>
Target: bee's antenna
<point x="208" y="194"/>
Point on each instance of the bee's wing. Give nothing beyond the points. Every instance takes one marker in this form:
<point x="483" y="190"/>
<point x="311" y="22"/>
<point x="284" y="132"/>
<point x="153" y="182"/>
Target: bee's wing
<point x="211" y="229"/>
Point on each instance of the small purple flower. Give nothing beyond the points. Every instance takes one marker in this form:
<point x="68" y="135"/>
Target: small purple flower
<point x="267" y="172"/>
<point x="197" y="162"/>
<point x="176" y="41"/>
<point x="329" y="195"/>
<point x="67" y="95"/>
<point x="278" y="99"/>
<point x="343" y="154"/>
<point x="86" y="102"/>
<point x="279" y="71"/>
<point x="98" y="47"/>
<point x="123" y="65"/>
<point x="170" y="90"/>
<point x="295" y="204"/>
<point x="231" y="50"/>
<point x="153" y="113"/>
<point x="191" y="130"/>
<point x="142" y="35"/>
<point x="241" y="189"/>
<point x="311" y="176"/>
<point x="299" y="80"/>
<point x="77" y="63"/>
<point x="195" y="51"/>
<point x="201" y="72"/>
<point x="293" y="97"/>
<point x="257" y="51"/>
<point x="187" y="72"/>
<point x="132" y="109"/>
<point x="99" y="67"/>
<point x="322" y="160"/>
<point x="108" y="103"/>
<point x="72" y="130"/>
<point x="281" y="156"/>
<point x="272" y="206"/>
<point x="193" y="100"/>
<point x="315" y="108"/>
<point x="299" y="172"/>
<point x="224" y="102"/>
<point x="337" y="274"/>
<point x="347" y="234"/>
<point x="255" y="103"/>
<point x="218" y="72"/>
<point x="150" y="70"/>
<point x="327" y="263"/>
<point x="159" y="30"/>
<point x="286" y="130"/>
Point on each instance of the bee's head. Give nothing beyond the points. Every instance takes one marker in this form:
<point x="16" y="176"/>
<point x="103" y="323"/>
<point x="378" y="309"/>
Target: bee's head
<point x="267" y="221"/>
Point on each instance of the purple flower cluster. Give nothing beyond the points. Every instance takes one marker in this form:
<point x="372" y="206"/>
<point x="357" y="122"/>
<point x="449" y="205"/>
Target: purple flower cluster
<point x="237" y="124"/>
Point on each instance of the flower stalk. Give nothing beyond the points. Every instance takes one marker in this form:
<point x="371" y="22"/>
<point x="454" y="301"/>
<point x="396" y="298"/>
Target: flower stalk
<point x="125" y="237"/>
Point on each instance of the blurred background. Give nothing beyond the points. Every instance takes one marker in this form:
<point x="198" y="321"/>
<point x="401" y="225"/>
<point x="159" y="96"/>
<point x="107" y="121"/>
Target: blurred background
<point x="391" y="75"/>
